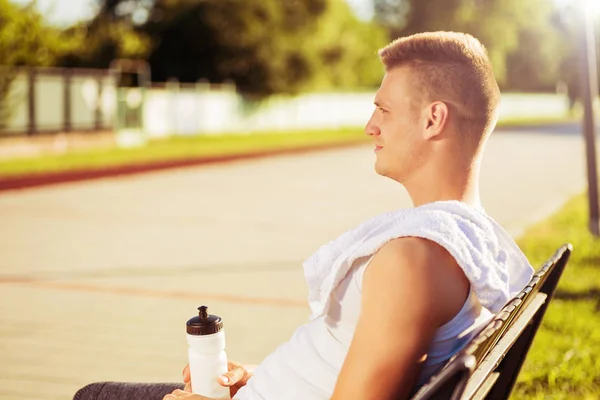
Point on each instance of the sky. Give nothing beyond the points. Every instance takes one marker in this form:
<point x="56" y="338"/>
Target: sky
<point x="67" y="12"/>
<point x="64" y="12"/>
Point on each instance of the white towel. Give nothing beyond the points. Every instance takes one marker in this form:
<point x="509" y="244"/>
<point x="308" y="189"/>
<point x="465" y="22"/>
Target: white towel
<point x="495" y="266"/>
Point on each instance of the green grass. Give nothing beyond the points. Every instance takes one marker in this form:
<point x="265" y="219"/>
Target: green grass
<point x="527" y="121"/>
<point x="564" y="361"/>
<point x="178" y="148"/>
<point x="181" y="148"/>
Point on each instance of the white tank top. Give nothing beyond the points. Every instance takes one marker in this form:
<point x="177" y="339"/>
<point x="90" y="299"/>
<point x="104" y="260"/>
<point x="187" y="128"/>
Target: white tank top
<point x="307" y="366"/>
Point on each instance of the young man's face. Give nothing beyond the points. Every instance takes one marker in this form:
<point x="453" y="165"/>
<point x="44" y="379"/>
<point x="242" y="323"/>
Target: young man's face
<point x="394" y="127"/>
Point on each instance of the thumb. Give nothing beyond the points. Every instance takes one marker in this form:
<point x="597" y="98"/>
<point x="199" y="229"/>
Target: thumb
<point x="186" y="374"/>
<point x="232" y="377"/>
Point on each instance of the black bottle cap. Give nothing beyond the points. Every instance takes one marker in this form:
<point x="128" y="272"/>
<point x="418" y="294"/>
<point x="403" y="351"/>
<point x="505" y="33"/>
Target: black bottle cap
<point x="204" y="324"/>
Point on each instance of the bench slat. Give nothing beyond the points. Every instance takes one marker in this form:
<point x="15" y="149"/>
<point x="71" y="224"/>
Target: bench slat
<point x="486" y="387"/>
<point x="504" y="344"/>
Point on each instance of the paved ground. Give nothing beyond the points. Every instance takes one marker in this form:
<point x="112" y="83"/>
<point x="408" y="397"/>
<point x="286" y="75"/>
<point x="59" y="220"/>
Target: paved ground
<point x="98" y="278"/>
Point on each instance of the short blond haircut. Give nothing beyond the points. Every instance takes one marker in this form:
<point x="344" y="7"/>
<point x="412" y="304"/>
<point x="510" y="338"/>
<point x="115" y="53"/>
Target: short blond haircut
<point x="450" y="67"/>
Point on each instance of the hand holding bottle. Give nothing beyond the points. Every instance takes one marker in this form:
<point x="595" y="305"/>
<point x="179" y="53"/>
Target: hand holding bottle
<point x="236" y="377"/>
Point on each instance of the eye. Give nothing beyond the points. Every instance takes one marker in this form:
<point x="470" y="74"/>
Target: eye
<point x="382" y="110"/>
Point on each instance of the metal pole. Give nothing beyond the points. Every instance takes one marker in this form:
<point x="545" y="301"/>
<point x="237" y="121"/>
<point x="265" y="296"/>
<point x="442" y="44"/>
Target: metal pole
<point x="98" y="113"/>
<point x="31" y="112"/>
<point x="589" y="83"/>
<point x="67" y="103"/>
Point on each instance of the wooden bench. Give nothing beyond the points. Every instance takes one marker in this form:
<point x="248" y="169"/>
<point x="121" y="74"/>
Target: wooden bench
<point x="488" y="366"/>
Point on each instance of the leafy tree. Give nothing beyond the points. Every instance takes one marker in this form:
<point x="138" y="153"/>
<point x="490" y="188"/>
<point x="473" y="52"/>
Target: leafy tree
<point x="257" y="45"/>
<point x="571" y="27"/>
<point x="102" y="40"/>
<point x="264" y="47"/>
<point x="524" y="45"/>
<point x="25" y="40"/>
<point x="346" y="50"/>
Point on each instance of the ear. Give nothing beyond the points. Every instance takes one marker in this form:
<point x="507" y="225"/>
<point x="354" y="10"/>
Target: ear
<point x="437" y="119"/>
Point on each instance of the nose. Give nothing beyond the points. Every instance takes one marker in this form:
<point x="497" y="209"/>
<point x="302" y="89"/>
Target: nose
<point x="372" y="129"/>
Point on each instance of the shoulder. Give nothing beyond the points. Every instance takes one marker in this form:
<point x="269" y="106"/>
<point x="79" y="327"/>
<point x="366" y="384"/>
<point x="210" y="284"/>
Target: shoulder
<point x="404" y="295"/>
<point x="423" y="270"/>
<point x="413" y="248"/>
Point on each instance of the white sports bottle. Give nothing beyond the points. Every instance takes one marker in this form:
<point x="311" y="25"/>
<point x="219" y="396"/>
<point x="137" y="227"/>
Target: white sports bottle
<point x="206" y="354"/>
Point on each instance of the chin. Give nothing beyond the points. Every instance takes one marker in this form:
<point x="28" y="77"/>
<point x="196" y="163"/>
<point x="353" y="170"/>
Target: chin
<point x="380" y="170"/>
<point x="387" y="173"/>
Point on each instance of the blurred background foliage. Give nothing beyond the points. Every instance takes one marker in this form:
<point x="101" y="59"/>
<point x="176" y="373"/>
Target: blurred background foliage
<point x="285" y="47"/>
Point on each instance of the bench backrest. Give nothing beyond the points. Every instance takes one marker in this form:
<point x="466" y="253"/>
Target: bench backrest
<point x="488" y="366"/>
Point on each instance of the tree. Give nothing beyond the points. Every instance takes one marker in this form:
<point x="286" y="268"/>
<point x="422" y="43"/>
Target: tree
<point x="104" y="39"/>
<point x="24" y="38"/>
<point x="346" y="50"/>
<point x="568" y="22"/>
<point x="392" y="14"/>
<point x="523" y="45"/>
<point x="25" y="41"/>
<point x="264" y="47"/>
<point x="536" y="64"/>
<point x="257" y="45"/>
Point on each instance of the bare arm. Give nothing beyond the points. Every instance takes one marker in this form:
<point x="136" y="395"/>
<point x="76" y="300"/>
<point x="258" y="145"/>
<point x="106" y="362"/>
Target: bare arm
<point x="411" y="287"/>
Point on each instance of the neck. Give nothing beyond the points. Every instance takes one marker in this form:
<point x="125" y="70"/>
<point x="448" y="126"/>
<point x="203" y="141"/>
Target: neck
<point x="446" y="180"/>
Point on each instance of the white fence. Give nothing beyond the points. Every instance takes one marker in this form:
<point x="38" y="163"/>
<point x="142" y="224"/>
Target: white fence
<point x="59" y="100"/>
<point x="55" y="100"/>
<point x="188" y="110"/>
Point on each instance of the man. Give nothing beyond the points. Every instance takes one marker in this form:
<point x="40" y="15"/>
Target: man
<point x="396" y="297"/>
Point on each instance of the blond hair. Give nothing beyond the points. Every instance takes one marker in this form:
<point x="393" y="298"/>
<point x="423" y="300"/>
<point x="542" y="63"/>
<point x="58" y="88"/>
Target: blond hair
<point x="450" y="67"/>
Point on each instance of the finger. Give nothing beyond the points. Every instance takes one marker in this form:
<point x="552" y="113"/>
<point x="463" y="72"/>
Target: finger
<point x="179" y="394"/>
<point x="188" y="387"/>
<point x="186" y="374"/>
<point x="232" y="377"/>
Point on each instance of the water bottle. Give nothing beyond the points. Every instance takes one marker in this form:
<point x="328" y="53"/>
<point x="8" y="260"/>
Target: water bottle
<point x="206" y="354"/>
